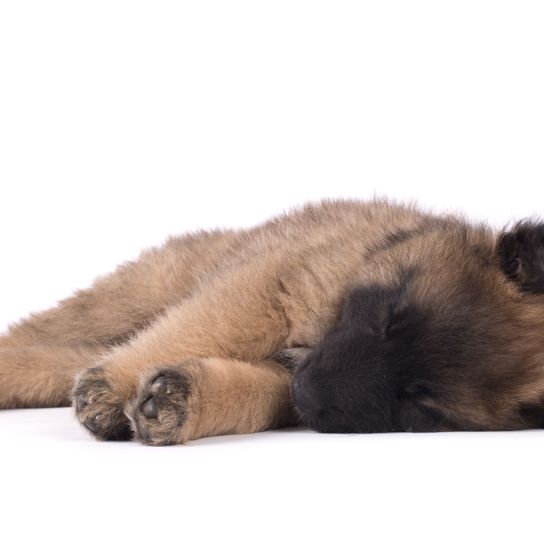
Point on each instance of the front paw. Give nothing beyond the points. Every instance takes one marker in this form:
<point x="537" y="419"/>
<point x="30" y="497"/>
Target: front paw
<point x="162" y="408"/>
<point x="99" y="408"/>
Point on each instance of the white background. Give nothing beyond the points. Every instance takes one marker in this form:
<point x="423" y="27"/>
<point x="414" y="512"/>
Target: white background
<point x="124" y="122"/>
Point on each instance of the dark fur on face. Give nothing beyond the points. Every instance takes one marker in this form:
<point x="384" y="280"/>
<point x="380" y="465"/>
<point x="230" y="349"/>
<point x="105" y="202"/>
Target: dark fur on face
<point x="365" y="372"/>
<point x="447" y="346"/>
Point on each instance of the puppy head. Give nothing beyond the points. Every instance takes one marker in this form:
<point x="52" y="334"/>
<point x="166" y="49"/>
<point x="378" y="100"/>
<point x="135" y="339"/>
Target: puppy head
<point x="454" y="343"/>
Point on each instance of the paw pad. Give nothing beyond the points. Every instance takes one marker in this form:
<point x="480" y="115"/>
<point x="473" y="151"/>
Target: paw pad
<point x="98" y="408"/>
<point x="160" y="410"/>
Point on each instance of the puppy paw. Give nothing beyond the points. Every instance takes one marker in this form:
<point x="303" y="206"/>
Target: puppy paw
<point x="160" y="411"/>
<point x="99" y="408"/>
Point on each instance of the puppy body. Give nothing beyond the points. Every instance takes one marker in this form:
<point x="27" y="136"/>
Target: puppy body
<point x="183" y="343"/>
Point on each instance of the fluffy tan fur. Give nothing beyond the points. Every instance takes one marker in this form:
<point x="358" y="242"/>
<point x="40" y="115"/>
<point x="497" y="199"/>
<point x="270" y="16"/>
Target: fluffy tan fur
<point x="216" y="307"/>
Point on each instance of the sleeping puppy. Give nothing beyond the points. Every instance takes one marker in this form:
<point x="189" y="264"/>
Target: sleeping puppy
<point x="345" y="316"/>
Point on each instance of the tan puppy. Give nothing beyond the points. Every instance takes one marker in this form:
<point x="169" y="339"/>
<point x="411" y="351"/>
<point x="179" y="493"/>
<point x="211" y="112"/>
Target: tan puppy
<point x="390" y="319"/>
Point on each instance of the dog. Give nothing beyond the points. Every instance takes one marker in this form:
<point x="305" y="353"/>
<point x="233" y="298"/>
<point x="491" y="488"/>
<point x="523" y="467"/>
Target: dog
<point x="346" y="316"/>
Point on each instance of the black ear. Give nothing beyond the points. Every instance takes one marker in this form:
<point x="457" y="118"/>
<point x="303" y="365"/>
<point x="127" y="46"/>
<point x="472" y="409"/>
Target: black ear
<point x="521" y="254"/>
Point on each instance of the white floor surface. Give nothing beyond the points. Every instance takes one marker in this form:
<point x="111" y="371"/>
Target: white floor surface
<point x="282" y="486"/>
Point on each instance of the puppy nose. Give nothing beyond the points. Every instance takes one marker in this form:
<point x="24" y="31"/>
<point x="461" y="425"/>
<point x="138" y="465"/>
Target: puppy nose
<point x="305" y="397"/>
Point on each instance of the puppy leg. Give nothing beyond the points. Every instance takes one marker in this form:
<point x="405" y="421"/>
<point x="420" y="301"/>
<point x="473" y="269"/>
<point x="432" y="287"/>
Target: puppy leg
<point x="238" y="318"/>
<point x="210" y="397"/>
<point x="42" y="376"/>
<point x="40" y="356"/>
<point x="125" y="301"/>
